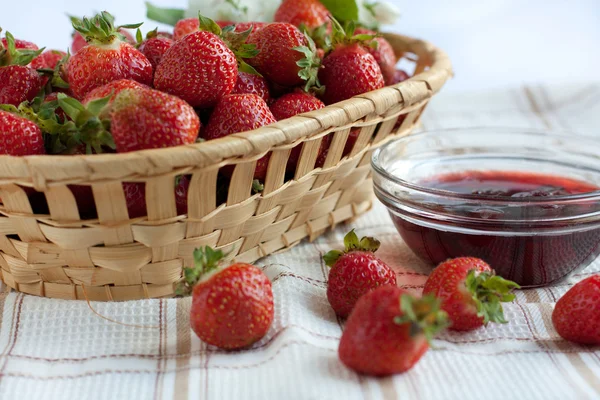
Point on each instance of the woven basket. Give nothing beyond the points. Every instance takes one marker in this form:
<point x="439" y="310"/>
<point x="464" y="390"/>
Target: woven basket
<point x="114" y="258"/>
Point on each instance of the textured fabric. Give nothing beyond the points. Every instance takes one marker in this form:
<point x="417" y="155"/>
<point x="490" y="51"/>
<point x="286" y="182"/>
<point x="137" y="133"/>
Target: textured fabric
<point x="55" y="349"/>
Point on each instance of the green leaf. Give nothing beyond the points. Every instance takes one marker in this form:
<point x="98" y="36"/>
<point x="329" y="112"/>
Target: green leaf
<point x="351" y="241"/>
<point x="344" y="10"/>
<point x="139" y="38"/>
<point x="168" y="16"/>
<point x="207" y="24"/>
<point x="424" y="315"/>
<point x="488" y="292"/>
<point x="243" y="66"/>
<point x="331" y="257"/>
<point x="97" y="106"/>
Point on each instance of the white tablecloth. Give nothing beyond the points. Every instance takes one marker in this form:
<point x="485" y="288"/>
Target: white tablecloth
<point x="53" y="349"/>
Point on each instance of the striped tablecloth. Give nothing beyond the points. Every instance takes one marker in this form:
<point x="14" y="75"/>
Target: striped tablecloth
<point x="53" y="349"/>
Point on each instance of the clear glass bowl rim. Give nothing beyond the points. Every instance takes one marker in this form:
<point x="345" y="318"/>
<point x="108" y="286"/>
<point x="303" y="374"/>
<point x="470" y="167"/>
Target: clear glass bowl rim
<point x="506" y="200"/>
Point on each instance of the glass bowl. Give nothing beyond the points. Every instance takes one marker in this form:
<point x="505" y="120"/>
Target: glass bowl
<point x="533" y="241"/>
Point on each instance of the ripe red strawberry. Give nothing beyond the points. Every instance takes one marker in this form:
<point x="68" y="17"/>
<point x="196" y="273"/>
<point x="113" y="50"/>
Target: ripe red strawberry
<point x="399" y="76"/>
<point x="19" y="136"/>
<point x="105" y="59"/>
<point x="182" y="185"/>
<point x="199" y="68"/>
<point x="279" y="46"/>
<point x="185" y="26"/>
<point x="470" y="292"/>
<point x="240" y="113"/>
<point x="251" y="84"/>
<point x="352" y="137"/>
<point x="294" y="103"/>
<point x="308" y="13"/>
<point x="48" y="59"/>
<point x="383" y="53"/>
<point x="154" y="48"/>
<point x="349" y="69"/>
<point x="576" y="316"/>
<point x="354" y="272"/>
<point x="232" y="307"/>
<point x="389" y="331"/>
<point x="18" y="83"/>
<point x="146" y="119"/>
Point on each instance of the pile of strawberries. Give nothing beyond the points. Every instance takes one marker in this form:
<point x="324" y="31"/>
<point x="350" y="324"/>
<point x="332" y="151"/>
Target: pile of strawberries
<point x="206" y="80"/>
<point x="388" y="329"/>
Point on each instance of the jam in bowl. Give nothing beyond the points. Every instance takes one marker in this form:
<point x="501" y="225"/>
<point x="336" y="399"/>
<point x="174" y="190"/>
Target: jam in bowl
<point x="528" y="203"/>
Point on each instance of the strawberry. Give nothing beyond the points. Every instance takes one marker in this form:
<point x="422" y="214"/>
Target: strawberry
<point x="294" y="103"/>
<point x="354" y="272"/>
<point x="389" y="331"/>
<point x="113" y="88"/>
<point x="232" y="307"/>
<point x="251" y="84"/>
<point x="302" y="13"/>
<point x="106" y="58"/>
<point x="470" y="292"/>
<point x="239" y="113"/>
<point x="576" y="316"/>
<point x="399" y="76"/>
<point x="146" y="119"/>
<point x="19" y="136"/>
<point x="349" y="69"/>
<point x="154" y="47"/>
<point x="383" y="53"/>
<point x="182" y="185"/>
<point x="285" y="55"/>
<point x="48" y="60"/>
<point x="185" y="26"/>
<point x="18" y="82"/>
<point x="210" y="67"/>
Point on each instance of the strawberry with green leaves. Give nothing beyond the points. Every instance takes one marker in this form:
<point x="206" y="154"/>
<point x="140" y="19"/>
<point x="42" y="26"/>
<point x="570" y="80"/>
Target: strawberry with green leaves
<point x="354" y="272"/>
<point x="106" y="58"/>
<point x="389" y="331"/>
<point x="470" y="292"/>
<point x="576" y="316"/>
<point x="239" y="113"/>
<point x="232" y="307"/>
<point x="18" y="82"/>
<point x="203" y="66"/>
<point x="349" y="69"/>
<point x="286" y="56"/>
<point x="383" y="54"/>
<point x="154" y="46"/>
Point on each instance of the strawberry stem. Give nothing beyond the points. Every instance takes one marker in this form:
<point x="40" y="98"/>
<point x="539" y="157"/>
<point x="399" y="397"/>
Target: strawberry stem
<point x="424" y="315"/>
<point x="489" y="291"/>
<point x="13" y="56"/>
<point x="101" y="28"/>
<point x="205" y="261"/>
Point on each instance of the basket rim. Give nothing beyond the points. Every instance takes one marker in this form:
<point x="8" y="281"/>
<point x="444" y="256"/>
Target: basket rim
<point x="36" y="169"/>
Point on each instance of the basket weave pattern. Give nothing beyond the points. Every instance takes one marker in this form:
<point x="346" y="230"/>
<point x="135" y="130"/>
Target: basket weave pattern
<point x="114" y="258"/>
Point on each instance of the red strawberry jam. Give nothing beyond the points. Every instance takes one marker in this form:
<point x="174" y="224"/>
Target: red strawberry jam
<point x="522" y="229"/>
